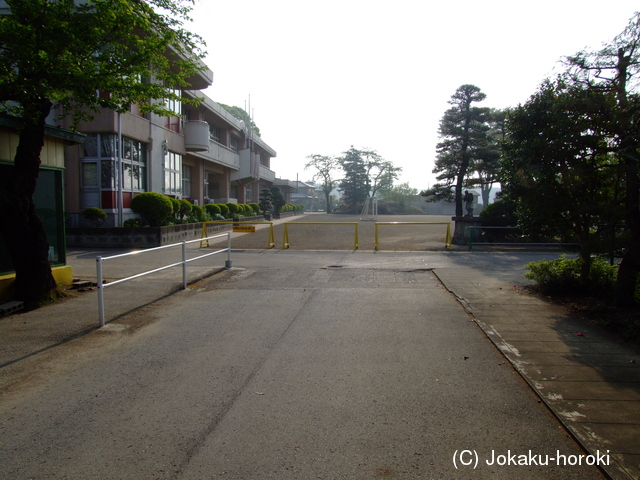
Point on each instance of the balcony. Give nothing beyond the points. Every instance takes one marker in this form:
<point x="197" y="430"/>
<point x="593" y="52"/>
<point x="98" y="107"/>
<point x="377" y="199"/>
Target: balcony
<point x="196" y="136"/>
<point x="267" y="174"/>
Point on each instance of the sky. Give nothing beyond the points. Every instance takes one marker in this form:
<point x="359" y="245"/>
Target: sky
<point x="321" y="77"/>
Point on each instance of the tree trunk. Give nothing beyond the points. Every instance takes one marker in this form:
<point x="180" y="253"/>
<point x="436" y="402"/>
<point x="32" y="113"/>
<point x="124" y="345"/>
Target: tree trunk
<point x="23" y="230"/>
<point x="630" y="264"/>
<point x="328" y="197"/>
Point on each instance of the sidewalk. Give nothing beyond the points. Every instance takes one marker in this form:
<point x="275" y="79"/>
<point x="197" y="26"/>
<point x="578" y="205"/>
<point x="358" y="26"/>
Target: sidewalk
<point x="590" y="382"/>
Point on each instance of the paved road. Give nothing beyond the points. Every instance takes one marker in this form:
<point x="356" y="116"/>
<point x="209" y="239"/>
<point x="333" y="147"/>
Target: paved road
<point x="292" y="365"/>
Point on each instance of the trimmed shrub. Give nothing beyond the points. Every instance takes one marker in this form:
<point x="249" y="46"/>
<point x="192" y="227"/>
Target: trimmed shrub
<point x="132" y="222"/>
<point x="212" y="209"/>
<point x="197" y="214"/>
<point x="96" y="216"/>
<point x="185" y="208"/>
<point x="233" y="208"/>
<point x="224" y="210"/>
<point x="255" y="207"/>
<point x="153" y="207"/>
<point x="175" y="205"/>
<point x="562" y="276"/>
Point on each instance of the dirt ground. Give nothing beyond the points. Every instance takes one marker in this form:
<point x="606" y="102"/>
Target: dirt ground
<point x="303" y="236"/>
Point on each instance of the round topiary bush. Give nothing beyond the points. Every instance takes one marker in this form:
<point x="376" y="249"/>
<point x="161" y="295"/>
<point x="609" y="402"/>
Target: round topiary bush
<point x="197" y="213"/>
<point x="212" y="209"/>
<point x="233" y="207"/>
<point x="96" y="216"/>
<point x="153" y="207"/>
<point x="224" y="210"/>
<point x="185" y="208"/>
<point x="255" y="207"/>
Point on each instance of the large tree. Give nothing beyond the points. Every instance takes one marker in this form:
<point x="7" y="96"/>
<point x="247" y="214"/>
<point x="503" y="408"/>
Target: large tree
<point x="355" y="183"/>
<point x="615" y="70"/>
<point x="325" y="171"/>
<point x="77" y="57"/>
<point x="558" y="166"/>
<point x="485" y="165"/>
<point x="462" y="131"/>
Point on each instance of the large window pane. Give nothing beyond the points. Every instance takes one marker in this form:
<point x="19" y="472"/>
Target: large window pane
<point x="108" y="174"/>
<point x="91" y="146"/>
<point x="89" y="174"/>
<point x="107" y="145"/>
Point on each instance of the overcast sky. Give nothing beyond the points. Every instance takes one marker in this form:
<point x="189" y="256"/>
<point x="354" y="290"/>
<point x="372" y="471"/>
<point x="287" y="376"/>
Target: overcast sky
<point x="323" y="76"/>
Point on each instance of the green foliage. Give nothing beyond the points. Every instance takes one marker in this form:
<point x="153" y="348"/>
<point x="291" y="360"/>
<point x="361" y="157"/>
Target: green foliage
<point x="501" y="213"/>
<point x="66" y="52"/>
<point x="277" y="199"/>
<point x="198" y="214"/>
<point x="355" y="184"/>
<point x="557" y="167"/>
<point x="255" y="207"/>
<point x="131" y="223"/>
<point x="224" y="209"/>
<point x="266" y="200"/>
<point x="325" y="171"/>
<point x="185" y="208"/>
<point x="240" y="114"/>
<point x="213" y="209"/>
<point x="96" y="216"/>
<point x="153" y="207"/>
<point x="175" y="206"/>
<point x="463" y="133"/>
<point x="233" y="208"/>
<point x="564" y="276"/>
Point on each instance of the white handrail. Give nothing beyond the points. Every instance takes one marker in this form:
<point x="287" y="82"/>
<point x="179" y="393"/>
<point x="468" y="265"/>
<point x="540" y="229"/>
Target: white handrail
<point x="100" y="260"/>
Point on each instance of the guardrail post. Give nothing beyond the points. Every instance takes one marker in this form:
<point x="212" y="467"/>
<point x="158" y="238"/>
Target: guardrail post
<point x="227" y="264"/>
<point x="184" y="265"/>
<point x="100" y="291"/>
<point x="355" y="246"/>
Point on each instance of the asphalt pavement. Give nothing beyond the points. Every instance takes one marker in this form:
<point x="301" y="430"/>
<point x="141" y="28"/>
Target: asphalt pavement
<point x="323" y="364"/>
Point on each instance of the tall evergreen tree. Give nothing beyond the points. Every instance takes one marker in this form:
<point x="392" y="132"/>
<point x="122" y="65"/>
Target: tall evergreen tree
<point x="355" y="184"/>
<point x="462" y="131"/>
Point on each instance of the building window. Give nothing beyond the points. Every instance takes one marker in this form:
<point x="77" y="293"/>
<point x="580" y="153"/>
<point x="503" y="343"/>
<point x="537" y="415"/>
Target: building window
<point x="173" y="174"/>
<point x="234" y="144"/>
<point x="214" y="133"/>
<point x="186" y="181"/>
<point x="99" y="166"/>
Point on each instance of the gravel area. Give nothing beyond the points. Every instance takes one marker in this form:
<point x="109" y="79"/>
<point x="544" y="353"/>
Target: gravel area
<point x="303" y="236"/>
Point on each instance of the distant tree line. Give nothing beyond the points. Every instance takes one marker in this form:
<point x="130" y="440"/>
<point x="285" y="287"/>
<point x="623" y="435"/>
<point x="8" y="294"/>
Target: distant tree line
<point x="358" y="174"/>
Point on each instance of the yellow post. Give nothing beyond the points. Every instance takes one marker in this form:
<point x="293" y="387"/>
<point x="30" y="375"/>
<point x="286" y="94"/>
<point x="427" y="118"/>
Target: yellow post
<point x="285" y="236"/>
<point x="376" y="247"/>
<point x="204" y="235"/>
<point x="355" y="246"/>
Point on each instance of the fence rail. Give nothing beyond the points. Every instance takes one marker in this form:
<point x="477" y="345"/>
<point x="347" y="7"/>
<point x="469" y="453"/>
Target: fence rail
<point x="285" y="235"/>
<point x="100" y="261"/>
<point x="447" y="240"/>
<point x="270" y="244"/>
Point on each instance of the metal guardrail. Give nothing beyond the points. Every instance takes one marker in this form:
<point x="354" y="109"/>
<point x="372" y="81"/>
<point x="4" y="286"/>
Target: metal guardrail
<point x="270" y="244"/>
<point x="471" y="229"/>
<point x="101" y="260"/>
<point x="447" y="240"/>
<point x="285" y="236"/>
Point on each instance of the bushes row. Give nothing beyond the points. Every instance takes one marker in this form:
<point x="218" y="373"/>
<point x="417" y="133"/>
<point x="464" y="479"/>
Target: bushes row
<point x="288" y="207"/>
<point x="157" y="210"/>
